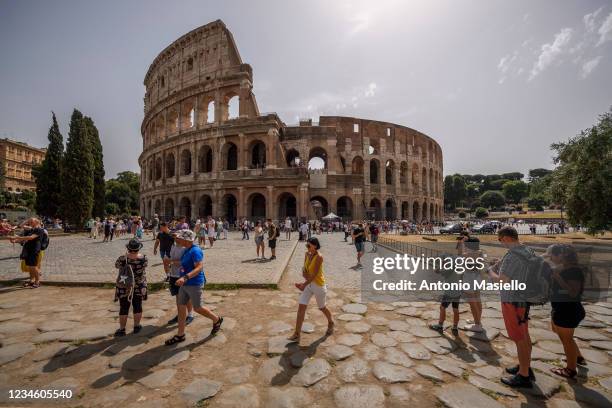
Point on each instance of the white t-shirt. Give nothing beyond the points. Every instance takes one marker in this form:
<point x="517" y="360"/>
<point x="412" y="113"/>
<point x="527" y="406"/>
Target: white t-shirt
<point x="176" y="252"/>
<point x="288" y="223"/>
<point x="304" y="228"/>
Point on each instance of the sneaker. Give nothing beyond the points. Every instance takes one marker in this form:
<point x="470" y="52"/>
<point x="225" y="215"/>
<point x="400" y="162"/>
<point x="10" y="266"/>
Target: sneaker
<point x="437" y="327"/>
<point x="174" y="320"/>
<point x="188" y="320"/>
<point x="476" y="328"/>
<point x="514" y="371"/>
<point x="137" y="329"/>
<point x="455" y="331"/>
<point x="119" y="333"/>
<point x="517" y="381"/>
<point x="273" y="257"/>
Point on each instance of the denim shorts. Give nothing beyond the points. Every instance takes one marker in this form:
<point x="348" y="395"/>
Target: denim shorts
<point x="360" y="246"/>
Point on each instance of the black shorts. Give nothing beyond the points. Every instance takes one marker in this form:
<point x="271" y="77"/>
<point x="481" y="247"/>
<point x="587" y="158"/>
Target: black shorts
<point x="272" y="243"/>
<point x="31" y="258"/>
<point x="446" y="303"/>
<point x="174" y="289"/>
<point x="567" y="315"/>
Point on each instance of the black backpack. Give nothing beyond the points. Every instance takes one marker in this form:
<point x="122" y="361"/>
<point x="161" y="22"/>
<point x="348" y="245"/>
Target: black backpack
<point x="537" y="278"/>
<point x="44" y="240"/>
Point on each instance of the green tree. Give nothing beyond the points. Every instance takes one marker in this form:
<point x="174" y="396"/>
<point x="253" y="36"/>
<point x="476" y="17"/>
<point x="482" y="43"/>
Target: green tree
<point x="492" y="198"/>
<point x="454" y="190"/>
<point x="123" y="191"/>
<point x="77" y="173"/>
<point x="581" y="181"/>
<point x="48" y="183"/>
<point x="515" y="190"/>
<point x="481" y="212"/>
<point x="536" y="174"/>
<point x="513" y="176"/>
<point x="99" y="191"/>
<point x="536" y="202"/>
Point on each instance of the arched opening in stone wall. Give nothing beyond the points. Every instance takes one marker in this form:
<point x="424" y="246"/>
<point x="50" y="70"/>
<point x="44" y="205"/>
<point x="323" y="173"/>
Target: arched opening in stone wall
<point x="414" y="176"/>
<point x="185" y="162"/>
<point x="185" y="208"/>
<point x="317" y="158"/>
<point x="229" y="207"/>
<point x="210" y="112"/>
<point x="233" y="107"/>
<point x="170" y="165"/>
<point x="374" y="166"/>
<point x="150" y="168"/>
<point x="389" y="170"/>
<point x="230" y="155"/>
<point x="389" y="210"/>
<point x="344" y="208"/>
<point x="169" y="209"/>
<point x="374" y="147"/>
<point x="188" y="114"/>
<point x="158" y="169"/>
<point x="431" y="212"/>
<point x="173" y="120"/>
<point x="157" y="208"/>
<point x="293" y="158"/>
<point x="319" y="206"/>
<point x="205" y="159"/>
<point x="424" y="181"/>
<point x="404" y="175"/>
<point x="258" y="155"/>
<point x="416" y="214"/>
<point x="257" y="206"/>
<point x="375" y="209"/>
<point x="357" y="165"/>
<point x="204" y="206"/>
<point x="432" y="186"/>
<point x="287" y="206"/>
<point x="149" y="209"/>
<point x="405" y="210"/>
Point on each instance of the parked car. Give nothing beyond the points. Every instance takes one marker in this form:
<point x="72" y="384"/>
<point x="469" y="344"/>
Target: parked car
<point x="486" y="228"/>
<point x="452" y="229"/>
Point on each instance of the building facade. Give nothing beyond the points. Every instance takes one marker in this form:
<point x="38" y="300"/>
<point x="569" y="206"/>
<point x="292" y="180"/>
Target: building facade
<point x="207" y="150"/>
<point x="18" y="158"/>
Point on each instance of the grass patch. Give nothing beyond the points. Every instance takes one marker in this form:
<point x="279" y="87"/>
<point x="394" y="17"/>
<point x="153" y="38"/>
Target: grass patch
<point x="465" y="375"/>
<point x="78" y="342"/>
<point x="490" y="393"/>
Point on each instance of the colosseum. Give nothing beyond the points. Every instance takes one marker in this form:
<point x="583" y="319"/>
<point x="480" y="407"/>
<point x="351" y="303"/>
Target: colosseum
<point x="207" y="150"/>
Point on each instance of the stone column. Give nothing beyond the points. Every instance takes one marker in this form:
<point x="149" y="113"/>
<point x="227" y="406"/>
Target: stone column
<point x="270" y="202"/>
<point x="180" y="117"/>
<point x="242" y="153"/>
<point x="241" y="203"/>
<point x="218" y="107"/>
<point x="332" y="157"/>
<point x="271" y="147"/>
<point x="196" y="112"/>
<point x="302" y="200"/>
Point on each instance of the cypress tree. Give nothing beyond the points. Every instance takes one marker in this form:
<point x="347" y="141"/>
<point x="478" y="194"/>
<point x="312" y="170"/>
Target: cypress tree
<point x="48" y="186"/>
<point x="99" y="190"/>
<point x="77" y="174"/>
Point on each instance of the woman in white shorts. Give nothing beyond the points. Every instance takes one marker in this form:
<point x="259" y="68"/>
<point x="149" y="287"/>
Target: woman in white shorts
<point x="314" y="285"/>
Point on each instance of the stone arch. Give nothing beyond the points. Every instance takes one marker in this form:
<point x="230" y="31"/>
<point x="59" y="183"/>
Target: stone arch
<point x="287" y="206"/>
<point x="149" y="209"/>
<point x="157" y="208"/>
<point x="205" y="206"/>
<point x="185" y="208"/>
<point x="431" y="212"/>
<point x="432" y="186"/>
<point x="169" y="208"/>
<point x="158" y="168"/>
<point x="229" y="207"/>
<point x="185" y="162"/>
<point x="389" y="172"/>
<point x="257" y="205"/>
<point x="405" y="210"/>
<point x="404" y="174"/>
<point x="414" y="176"/>
<point x="416" y="211"/>
<point x="150" y="168"/>
<point x="357" y="165"/>
<point x="375" y="209"/>
<point x="257" y="154"/>
<point x="319" y="206"/>
<point x="230" y="156"/>
<point x="210" y="112"/>
<point x="170" y="165"/>
<point x="173" y="120"/>
<point x="424" y="180"/>
<point x="317" y="158"/>
<point x="293" y="158"/>
<point x="344" y="207"/>
<point x="205" y="159"/>
<point x="188" y="114"/>
<point x="232" y="106"/>
<point x="374" y="169"/>
<point x="390" y="209"/>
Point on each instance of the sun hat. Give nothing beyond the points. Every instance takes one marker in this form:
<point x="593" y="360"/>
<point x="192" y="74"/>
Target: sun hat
<point x="133" y="245"/>
<point x="187" y="235"/>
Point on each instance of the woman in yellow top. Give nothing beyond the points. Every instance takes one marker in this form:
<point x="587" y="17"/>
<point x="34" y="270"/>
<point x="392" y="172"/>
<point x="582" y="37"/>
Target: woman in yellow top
<point x="314" y="284"/>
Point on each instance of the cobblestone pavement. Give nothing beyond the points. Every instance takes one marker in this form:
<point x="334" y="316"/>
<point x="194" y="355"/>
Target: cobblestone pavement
<point x="381" y="355"/>
<point x="77" y="258"/>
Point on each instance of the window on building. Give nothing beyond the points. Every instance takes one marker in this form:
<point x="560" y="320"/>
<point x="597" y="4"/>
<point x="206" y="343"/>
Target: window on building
<point x="355" y="127"/>
<point x="388" y="131"/>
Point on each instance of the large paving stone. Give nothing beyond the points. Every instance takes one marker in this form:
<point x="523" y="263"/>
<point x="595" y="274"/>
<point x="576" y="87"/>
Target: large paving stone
<point x="449" y="366"/>
<point x="429" y="372"/>
<point x="312" y="372"/>
<point x="357" y="327"/>
<point x="64" y="383"/>
<point x="359" y="396"/>
<point x="489" y="371"/>
<point x="594" y="356"/>
<point x="490" y="386"/>
<point x="10" y="316"/>
<point x="606" y="383"/>
<point x="339" y="352"/>
<point x="589" y="335"/>
<point x="353" y="370"/>
<point x="238" y="375"/>
<point x="422" y="331"/>
<point x="350" y="317"/>
<point x="47" y="337"/>
<point x="308" y="327"/>
<point x="439" y="345"/>
<point x="175" y="358"/>
<point x="51" y="350"/>
<point x="461" y="395"/>
<point x="382" y="340"/>
<point x="377" y="320"/>
<point x="544" y="386"/>
<point x="594" y="397"/>
<point x="370" y="352"/>
<point x="158" y="379"/>
<point x="89" y="333"/>
<point x="355" y="308"/>
<point x="245" y="395"/>
<point x="291" y="397"/>
<point x="274" y="371"/>
<point x="552" y="346"/>
<point x="14" y="351"/>
<point x="602" y="345"/>
<point x="278" y="327"/>
<point x="415" y="351"/>
<point x="409" y="311"/>
<point x="279" y="345"/>
<point x="12" y="328"/>
<point x="394" y="356"/>
<point x="200" y="389"/>
<point x="391" y="373"/>
<point x="399" y="325"/>
<point x="401" y="336"/>
<point x="349" y="339"/>
<point x="56" y="325"/>
<point x="488" y="335"/>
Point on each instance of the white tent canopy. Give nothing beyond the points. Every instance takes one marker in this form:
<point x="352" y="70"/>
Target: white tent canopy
<point x="331" y="216"/>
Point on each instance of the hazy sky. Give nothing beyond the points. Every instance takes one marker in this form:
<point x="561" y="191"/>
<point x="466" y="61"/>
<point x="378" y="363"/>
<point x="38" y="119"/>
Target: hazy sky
<point x="494" y="82"/>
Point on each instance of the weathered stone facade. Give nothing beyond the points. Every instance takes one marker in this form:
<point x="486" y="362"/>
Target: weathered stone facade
<point x="200" y="160"/>
<point x="18" y="159"/>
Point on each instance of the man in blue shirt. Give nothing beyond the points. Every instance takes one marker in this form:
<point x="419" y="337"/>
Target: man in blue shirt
<point x="191" y="282"/>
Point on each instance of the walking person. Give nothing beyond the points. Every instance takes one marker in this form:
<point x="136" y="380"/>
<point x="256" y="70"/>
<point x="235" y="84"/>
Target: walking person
<point x="155" y="226"/>
<point x="359" y="240"/>
<point x="191" y="284"/>
<point x="31" y="253"/>
<point x="515" y="266"/>
<point x="163" y="241"/>
<point x="131" y="285"/>
<point x="172" y="266"/>
<point x="567" y="310"/>
<point x="313" y="285"/>
<point x="288" y="229"/>
<point x="245" y="230"/>
<point x="211" y="230"/>
<point x="259" y="239"/>
<point x="273" y="234"/>
<point x="374" y="231"/>
<point x="469" y="247"/>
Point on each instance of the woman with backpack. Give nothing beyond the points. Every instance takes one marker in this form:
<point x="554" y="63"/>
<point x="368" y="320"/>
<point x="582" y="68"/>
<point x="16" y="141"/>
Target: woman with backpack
<point x="273" y="234"/>
<point x="565" y="300"/>
<point x="131" y="285"/>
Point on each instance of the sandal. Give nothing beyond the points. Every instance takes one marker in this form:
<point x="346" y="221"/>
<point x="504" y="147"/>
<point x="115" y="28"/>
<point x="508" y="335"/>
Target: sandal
<point x="581" y="361"/>
<point x="216" y="326"/>
<point x="564" y="372"/>
<point x="175" y="339"/>
<point x="27" y="284"/>
<point x="35" y="285"/>
<point x="330" y="329"/>
<point x="294" y="337"/>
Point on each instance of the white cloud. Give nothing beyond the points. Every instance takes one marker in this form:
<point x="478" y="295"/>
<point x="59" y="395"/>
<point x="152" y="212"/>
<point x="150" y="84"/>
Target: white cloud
<point x="504" y="64"/>
<point x="589" y="20"/>
<point x="605" y="31"/>
<point x="589" y="66"/>
<point x="370" y="90"/>
<point x="551" y="51"/>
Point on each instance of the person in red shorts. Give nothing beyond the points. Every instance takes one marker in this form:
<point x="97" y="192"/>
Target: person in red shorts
<point x="514" y="266"/>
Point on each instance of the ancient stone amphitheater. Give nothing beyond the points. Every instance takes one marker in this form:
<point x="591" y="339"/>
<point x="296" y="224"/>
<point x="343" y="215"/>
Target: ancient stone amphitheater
<point x="207" y="150"/>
